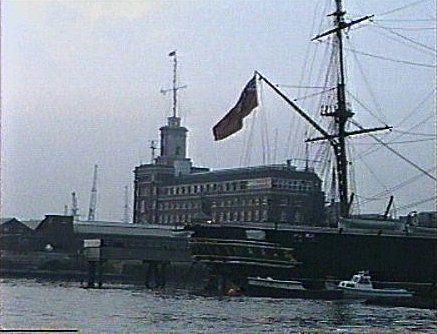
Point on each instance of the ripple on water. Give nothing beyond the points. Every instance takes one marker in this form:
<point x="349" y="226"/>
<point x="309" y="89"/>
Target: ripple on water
<point x="129" y="309"/>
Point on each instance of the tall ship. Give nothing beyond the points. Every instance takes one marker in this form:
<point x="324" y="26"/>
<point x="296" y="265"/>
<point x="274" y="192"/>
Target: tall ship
<point x="330" y="243"/>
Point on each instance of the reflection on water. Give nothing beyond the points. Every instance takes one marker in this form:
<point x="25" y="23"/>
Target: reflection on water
<point x="129" y="309"/>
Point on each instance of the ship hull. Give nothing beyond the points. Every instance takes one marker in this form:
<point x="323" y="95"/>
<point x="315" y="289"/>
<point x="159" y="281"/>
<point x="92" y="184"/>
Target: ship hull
<point x="317" y="253"/>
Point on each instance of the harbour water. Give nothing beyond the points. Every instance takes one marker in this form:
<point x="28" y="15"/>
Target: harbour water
<point x="32" y="304"/>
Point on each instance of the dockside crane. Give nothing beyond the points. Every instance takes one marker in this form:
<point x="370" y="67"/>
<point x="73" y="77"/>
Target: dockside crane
<point x="74" y="207"/>
<point x="126" y="205"/>
<point x="93" y="197"/>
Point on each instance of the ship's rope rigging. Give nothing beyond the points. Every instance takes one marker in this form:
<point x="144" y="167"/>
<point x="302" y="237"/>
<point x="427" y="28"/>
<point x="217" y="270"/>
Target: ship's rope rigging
<point x="419" y="105"/>
<point x="398" y="142"/>
<point x="410" y="162"/>
<point x="327" y="98"/>
<point x="394" y="10"/>
<point x="416" y="203"/>
<point x="407" y="20"/>
<point x="352" y="180"/>
<point x="381" y="117"/>
<point x="295" y="130"/>
<point x="245" y="158"/>
<point x="265" y="141"/>
<point x="395" y="60"/>
<point x="421" y="46"/>
<point x="261" y="117"/>
<point x="388" y="191"/>
<point x="407" y="28"/>
<point x="417" y="134"/>
<point x="378" y="147"/>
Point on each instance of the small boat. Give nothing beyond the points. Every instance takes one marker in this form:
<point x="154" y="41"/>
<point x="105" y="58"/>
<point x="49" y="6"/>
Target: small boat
<point x="270" y="287"/>
<point x="274" y="283"/>
<point x="360" y="286"/>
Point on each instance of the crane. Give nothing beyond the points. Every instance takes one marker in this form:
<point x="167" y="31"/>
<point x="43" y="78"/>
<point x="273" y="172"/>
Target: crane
<point x="93" y="197"/>
<point x="126" y="205"/>
<point x="74" y="206"/>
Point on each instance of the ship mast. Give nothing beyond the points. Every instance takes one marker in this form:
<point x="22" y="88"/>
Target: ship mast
<point x="341" y="113"/>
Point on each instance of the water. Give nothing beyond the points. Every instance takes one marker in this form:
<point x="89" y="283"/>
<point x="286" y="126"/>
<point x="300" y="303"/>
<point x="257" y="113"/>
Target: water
<point x="129" y="309"/>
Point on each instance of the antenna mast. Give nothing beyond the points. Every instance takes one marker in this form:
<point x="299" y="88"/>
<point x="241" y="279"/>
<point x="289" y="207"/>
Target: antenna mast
<point x="175" y="87"/>
<point x="93" y="197"/>
<point x="175" y="66"/>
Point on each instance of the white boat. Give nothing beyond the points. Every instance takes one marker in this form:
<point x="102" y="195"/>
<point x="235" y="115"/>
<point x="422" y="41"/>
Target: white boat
<point x="270" y="287"/>
<point x="274" y="283"/>
<point x="360" y="286"/>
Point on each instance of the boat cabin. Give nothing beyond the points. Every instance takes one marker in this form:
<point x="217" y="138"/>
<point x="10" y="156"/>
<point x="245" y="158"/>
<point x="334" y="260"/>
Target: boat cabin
<point x="360" y="280"/>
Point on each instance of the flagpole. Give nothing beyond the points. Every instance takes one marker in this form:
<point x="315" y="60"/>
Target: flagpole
<point x="295" y="107"/>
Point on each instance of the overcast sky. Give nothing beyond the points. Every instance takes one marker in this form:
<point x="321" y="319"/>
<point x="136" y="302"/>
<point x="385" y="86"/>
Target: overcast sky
<point x="81" y="85"/>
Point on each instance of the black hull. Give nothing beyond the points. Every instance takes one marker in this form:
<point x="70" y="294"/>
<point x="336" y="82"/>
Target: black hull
<point x="317" y="253"/>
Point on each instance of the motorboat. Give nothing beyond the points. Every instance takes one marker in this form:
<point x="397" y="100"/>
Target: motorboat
<point x="270" y="287"/>
<point x="360" y="286"/>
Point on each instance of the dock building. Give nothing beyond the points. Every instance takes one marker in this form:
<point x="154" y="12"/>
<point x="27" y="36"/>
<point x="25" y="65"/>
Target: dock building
<point x="171" y="191"/>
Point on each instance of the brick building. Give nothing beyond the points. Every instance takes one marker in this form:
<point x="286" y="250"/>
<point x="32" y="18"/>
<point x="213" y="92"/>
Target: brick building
<point x="171" y="191"/>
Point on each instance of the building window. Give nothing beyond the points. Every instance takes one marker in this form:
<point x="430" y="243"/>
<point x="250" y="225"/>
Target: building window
<point x="264" y="217"/>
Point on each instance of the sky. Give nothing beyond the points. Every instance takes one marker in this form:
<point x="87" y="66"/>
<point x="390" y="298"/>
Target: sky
<point x="81" y="81"/>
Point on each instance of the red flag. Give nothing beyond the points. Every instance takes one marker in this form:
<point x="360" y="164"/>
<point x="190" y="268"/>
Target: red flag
<point x="233" y="121"/>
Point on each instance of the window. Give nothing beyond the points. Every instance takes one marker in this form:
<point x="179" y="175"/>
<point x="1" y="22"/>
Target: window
<point x="264" y="217"/>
